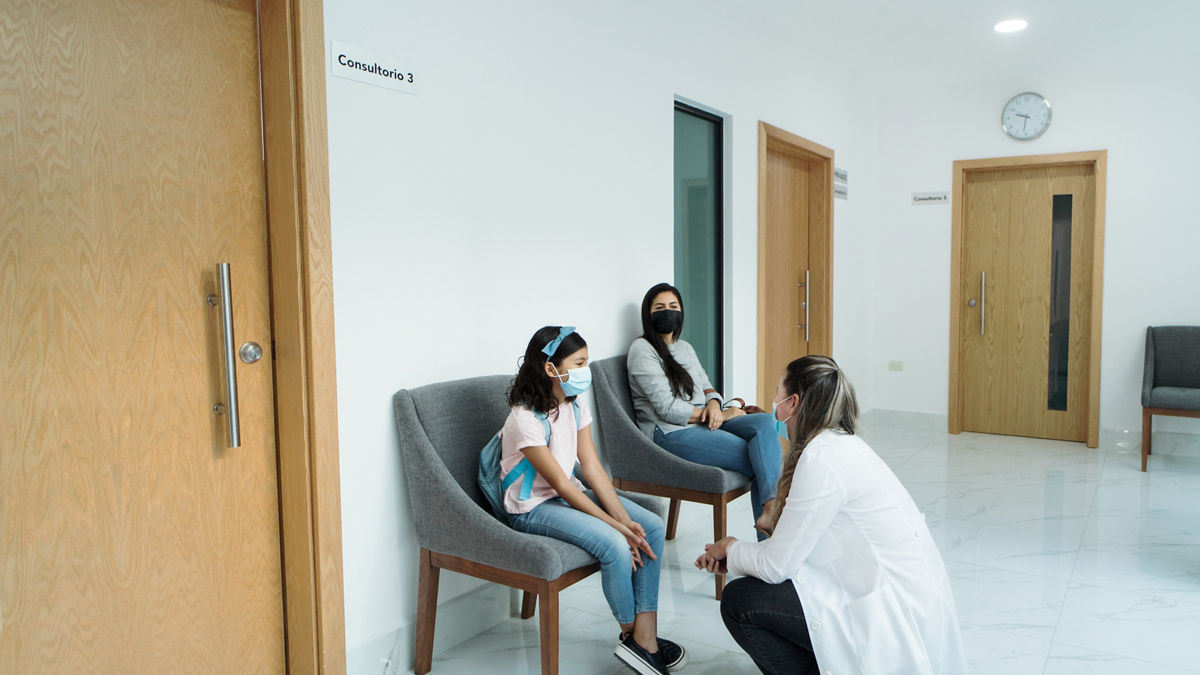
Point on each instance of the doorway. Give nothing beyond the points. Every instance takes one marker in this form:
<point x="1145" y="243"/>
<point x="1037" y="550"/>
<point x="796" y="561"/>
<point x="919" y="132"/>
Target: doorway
<point x="1027" y="264"/>
<point x="134" y="538"/>
<point x="795" y="253"/>
<point x="699" y="228"/>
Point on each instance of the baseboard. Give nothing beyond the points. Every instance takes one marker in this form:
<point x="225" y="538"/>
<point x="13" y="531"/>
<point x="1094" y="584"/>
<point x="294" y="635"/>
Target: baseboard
<point x="458" y="619"/>
<point x="1183" y="444"/>
<point x="904" y="419"/>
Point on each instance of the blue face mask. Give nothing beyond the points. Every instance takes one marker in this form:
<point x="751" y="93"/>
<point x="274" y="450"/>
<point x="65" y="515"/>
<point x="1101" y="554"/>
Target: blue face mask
<point x="780" y="424"/>
<point x="578" y="380"/>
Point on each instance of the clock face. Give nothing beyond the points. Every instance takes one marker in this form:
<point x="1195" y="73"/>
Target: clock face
<point x="1026" y="116"/>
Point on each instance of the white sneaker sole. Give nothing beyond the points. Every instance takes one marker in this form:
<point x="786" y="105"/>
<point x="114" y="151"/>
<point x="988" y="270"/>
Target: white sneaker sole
<point x="635" y="662"/>
<point x="679" y="666"/>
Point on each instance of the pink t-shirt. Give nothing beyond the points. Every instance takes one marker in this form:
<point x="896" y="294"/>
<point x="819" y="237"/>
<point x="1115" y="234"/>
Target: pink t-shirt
<point x="523" y="429"/>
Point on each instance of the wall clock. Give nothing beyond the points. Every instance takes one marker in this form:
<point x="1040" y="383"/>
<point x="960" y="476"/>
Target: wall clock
<point x="1026" y="116"/>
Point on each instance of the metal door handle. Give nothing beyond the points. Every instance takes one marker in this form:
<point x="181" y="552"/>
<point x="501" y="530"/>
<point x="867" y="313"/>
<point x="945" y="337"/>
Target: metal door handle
<point x="982" y="300"/>
<point x="806" y="305"/>
<point x="231" y="406"/>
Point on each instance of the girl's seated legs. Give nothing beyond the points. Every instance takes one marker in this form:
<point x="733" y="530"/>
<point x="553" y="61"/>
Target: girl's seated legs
<point x="628" y="592"/>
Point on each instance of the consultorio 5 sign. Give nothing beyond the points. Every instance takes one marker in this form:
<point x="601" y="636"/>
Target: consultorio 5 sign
<point x="368" y="67"/>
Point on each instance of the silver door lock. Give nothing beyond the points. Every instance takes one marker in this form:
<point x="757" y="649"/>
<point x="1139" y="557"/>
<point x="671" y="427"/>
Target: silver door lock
<point x="250" y="352"/>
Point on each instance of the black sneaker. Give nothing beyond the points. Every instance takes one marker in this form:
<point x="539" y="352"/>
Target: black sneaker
<point x="674" y="656"/>
<point x="639" y="660"/>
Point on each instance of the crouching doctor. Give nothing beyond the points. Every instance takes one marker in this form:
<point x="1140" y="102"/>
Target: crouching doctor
<point x="850" y="580"/>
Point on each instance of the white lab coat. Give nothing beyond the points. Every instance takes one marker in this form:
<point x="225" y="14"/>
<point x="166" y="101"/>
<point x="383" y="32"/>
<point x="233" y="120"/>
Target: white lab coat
<point x="869" y="576"/>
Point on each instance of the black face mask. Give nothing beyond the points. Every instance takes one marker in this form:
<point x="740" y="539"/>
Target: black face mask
<point x="666" y="320"/>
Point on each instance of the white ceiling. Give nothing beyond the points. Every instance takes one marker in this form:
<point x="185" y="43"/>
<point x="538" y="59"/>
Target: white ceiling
<point x="889" y="44"/>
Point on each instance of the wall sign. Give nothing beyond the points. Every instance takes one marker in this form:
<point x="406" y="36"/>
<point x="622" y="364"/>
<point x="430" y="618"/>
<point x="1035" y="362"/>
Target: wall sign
<point x="839" y="191"/>
<point x="362" y="65"/>
<point x="840" y="175"/>
<point x="927" y="198"/>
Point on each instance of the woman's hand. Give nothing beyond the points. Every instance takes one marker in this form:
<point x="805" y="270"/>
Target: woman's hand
<point x="635" y="535"/>
<point x="732" y="412"/>
<point x="714" y="558"/>
<point x="712" y="414"/>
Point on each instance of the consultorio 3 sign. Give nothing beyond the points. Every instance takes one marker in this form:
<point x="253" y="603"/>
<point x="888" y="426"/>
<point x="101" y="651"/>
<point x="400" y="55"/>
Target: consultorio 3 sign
<point x="368" y="67"/>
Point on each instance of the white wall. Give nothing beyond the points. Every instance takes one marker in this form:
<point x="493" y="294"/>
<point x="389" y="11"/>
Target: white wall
<point x="1140" y="103"/>
<point x="530" y="183"/>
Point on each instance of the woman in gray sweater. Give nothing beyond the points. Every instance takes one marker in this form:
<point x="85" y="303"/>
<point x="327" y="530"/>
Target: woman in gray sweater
<point x="679" y="409"/>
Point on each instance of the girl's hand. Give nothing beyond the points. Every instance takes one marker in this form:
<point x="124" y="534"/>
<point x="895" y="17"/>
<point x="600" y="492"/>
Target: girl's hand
<point x="635" y="535"/>
<point x="714" y="558"/>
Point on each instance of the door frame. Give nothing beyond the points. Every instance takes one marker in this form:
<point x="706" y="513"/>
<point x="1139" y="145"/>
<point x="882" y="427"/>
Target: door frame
<point x="1098" y="160"/>
<point x="292" y="52"/>
<point x="820" y="244"/>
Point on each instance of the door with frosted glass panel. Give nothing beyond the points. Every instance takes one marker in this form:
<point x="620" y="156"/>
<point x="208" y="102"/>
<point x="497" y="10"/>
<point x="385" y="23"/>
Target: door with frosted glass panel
<point x="1026" y="287"/>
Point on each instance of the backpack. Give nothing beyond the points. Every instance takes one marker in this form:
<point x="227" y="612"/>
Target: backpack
<point x="490" y="482"/>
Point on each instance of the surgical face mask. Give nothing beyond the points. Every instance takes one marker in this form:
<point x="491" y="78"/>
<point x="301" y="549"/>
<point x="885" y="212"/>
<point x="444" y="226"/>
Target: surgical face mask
<point x="578" y="380"/>
<point x="666" y="320"/>
<point x="780" y="424"/>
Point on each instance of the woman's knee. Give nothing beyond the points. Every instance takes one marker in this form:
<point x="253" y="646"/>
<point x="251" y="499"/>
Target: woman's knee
<point x="764" y="422"/>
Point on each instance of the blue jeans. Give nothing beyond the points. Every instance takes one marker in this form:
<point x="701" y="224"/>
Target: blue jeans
<point x="628" y="593"/>
<point x="748" y="444"/>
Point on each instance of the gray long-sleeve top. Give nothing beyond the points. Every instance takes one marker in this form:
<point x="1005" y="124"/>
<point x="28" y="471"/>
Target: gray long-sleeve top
<point x="653" y="401"/>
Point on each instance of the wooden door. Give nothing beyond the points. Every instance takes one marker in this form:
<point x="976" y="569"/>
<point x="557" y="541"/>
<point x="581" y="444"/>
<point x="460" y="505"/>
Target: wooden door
<point x="795" y="222"/>
<point x="1027" y="242"/>
<point x="132" y="540"/>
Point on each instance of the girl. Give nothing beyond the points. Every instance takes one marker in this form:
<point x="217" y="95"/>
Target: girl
<point x="623" y="536"/>
<point x="678" y="408"/>
<point x="851" y="578"/>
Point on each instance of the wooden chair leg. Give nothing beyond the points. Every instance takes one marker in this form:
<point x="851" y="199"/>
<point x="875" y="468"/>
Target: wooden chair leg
<point x="528" y="602"/>
<point x="427" y="593"/>
<point x="672" y="518"/>
<point x="548" y="618"/>
<point x="719" y="533"/>
<point x="1146" y="426"/>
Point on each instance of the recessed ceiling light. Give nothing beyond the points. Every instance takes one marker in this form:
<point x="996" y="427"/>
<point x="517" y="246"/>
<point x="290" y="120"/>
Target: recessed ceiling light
<point x="1011" y="25"/>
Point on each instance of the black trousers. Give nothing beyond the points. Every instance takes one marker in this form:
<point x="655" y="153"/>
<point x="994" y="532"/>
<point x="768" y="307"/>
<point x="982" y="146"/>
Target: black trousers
<point x="768" y="623"/>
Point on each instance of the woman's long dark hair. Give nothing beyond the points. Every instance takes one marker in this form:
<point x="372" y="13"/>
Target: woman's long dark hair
<point x="531" y="388"/>
<point x="827" y="401"/>
<point x="680" y="380"/>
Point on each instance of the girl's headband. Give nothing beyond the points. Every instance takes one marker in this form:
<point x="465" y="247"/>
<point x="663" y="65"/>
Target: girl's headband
<point x="552" y="346"/>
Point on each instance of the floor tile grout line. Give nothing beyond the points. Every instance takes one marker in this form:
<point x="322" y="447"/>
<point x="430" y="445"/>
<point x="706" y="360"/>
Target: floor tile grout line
<point x="1075" y="563"/>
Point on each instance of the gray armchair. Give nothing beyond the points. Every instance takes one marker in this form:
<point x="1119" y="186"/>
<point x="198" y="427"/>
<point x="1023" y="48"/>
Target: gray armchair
<point x="442" y="428"/>
<point x="638" y="464"/>
<point x="1171" y="378"/>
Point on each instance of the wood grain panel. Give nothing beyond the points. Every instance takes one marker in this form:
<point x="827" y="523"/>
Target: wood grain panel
<point x="132" y="540"/>
<point x="795" y="235"/>
<point x="1006" y="222"/>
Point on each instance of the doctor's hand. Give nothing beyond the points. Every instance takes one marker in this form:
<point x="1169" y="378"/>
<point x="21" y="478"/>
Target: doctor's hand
<point x="714" y="558"/>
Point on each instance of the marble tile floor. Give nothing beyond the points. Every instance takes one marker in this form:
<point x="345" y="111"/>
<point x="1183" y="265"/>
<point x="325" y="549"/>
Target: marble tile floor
<point x="1064" y="560"/>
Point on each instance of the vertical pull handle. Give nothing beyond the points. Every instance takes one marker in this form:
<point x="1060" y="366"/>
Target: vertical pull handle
<point x="804" y="305"/>
<point x="982" y="301"/>
<point x="227" y="351"/>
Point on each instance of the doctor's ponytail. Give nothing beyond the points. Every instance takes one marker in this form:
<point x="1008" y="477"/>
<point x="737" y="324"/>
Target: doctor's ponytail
<point x="827" y="401"/>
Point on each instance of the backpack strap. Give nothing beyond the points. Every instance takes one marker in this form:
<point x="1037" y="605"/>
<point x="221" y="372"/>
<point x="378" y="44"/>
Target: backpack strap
<point x="524" y="470"/>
